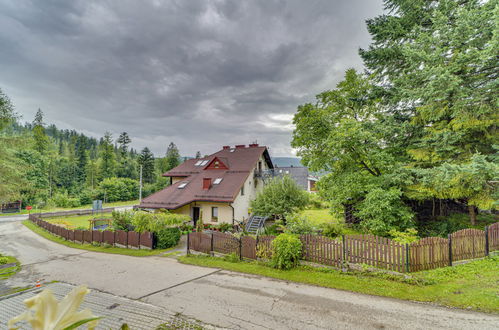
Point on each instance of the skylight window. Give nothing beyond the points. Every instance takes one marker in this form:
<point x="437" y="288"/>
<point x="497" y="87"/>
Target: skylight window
<point x="198" y="163"/>
<point x="217" y="181"/>
<point x="182" y="185"/>
<point x="203" y="163"/>
<point x="233" y="149"/>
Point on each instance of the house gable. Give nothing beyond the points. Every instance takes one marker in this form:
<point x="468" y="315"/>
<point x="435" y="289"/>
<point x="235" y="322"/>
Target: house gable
<point x="216" y="164"/>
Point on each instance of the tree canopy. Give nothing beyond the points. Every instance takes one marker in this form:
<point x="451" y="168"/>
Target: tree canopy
<point x="421" y="123"/>
<point x="280" y="197"/>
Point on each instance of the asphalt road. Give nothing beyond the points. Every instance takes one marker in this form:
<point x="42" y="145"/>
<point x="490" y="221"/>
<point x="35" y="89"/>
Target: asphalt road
<point x="223" y="298"/>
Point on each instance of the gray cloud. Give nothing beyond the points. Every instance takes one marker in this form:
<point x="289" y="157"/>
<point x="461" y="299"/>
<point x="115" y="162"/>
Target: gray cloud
<point x="199" y="73"/>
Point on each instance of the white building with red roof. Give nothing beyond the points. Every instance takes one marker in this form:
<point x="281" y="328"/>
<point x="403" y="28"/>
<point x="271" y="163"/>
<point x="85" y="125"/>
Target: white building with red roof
<point x="217" y="188"/>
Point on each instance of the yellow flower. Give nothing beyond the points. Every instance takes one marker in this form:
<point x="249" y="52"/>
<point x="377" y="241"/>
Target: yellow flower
<point x="46" y="313"/>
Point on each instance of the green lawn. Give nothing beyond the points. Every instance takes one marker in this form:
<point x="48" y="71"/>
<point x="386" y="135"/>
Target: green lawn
<point x="75" y="221"/>
<point x="322" y="216"/>
<point x="474" y="285"/>
<point x="130" y="252"/>
<point x="5" y="273"/>
<point x="82" y="207"/>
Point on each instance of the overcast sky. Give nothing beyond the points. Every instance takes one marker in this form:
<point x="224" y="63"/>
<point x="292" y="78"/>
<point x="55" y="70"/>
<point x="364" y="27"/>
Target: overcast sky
<point x="199" y="73"/>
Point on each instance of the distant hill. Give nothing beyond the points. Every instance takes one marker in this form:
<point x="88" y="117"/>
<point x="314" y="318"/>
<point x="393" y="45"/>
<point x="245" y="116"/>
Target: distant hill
<point x="286" y="161"/>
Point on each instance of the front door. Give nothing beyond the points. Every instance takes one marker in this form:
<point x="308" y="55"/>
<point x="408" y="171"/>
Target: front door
<point x="195" y="215"/>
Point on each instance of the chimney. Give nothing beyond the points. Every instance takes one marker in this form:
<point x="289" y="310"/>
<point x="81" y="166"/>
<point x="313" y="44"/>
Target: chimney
<point x="226" y="147"/>
<point x="240" y="146"/>
<point x="206" y="183"/>
<point x="253" y="145"/>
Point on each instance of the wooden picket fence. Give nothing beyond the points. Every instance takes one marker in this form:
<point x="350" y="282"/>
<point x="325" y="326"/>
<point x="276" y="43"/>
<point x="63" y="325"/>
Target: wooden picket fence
<point x="376" y="251"/>
<point x="119" y="238"/>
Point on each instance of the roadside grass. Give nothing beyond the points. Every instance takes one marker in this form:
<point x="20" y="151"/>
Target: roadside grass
<point x="89" y="247"/>
<point x="5" y="273"/>
<point x="319" y="217"/>
<point x="81" y="207"/>
<point x="75" y="221"/>
<point x="474" y="285"/>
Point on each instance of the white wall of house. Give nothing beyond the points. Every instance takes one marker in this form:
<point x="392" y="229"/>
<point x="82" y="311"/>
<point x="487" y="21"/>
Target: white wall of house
<point x="205" y="208"/>
<point x="241" y="204"/>
<point x="176" y="179"/>
<point x="252" y="186"/>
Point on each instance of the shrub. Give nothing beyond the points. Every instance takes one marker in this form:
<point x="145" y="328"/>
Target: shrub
<point x="299" y="224"/>
<point x="154" y="222"/>
<point x="286" y="251"/>
<point x="224" y="227"/>
<point x="332" y="230"/>
<point x="167" y="237"/>
<point x="272" y="230"/>
<point x="316" y="202"/>
<point x="405" y="237"/>
<point x="122" y="220"/>
<point x="382" y="210"/>
<point x="86" y="196"/>
<point x="63" y="200"/>
<point x="185" y="227"/>
<point x="118" y="189"/>
<point x="279" y="197"/>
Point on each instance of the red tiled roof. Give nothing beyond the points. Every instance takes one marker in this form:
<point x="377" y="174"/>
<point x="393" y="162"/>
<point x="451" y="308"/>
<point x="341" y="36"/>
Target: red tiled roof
<point x="240" y="163"/>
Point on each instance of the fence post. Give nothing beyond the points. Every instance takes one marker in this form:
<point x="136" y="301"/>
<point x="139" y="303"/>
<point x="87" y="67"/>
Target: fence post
<point x="240" y="248"/>
<point x="407" y="258"/>
<point x="211" y="247"/>
<point x="450" y="249"/>
<point x="188" y="242"/>
<point x="487" y="241"/>
<point x="344" y="248"/>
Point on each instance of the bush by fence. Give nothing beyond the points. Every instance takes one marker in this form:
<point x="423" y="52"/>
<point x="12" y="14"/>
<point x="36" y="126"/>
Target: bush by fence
<point x="380" y="252"/>
<point x="117" y="238"/>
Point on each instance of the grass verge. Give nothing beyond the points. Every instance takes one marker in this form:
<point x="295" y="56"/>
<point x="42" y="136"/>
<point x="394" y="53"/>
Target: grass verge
<point x="89" y="247"/>
<point x="474" y="285"/>
<point x="5" y="273"/>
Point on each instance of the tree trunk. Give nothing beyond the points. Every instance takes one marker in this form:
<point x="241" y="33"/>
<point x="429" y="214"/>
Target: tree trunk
<point x="471" y="210"/>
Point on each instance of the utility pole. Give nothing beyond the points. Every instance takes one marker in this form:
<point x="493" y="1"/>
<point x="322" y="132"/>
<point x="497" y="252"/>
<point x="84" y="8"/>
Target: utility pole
<point x="140" y="186"/>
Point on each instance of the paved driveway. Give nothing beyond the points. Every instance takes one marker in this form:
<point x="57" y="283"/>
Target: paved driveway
<point x="224" y="298"/>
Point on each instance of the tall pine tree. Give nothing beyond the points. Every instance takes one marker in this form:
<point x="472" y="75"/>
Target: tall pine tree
<point x="172" y="156"/>
<point x="107" y="157"/>
<point x="146" y="160"/>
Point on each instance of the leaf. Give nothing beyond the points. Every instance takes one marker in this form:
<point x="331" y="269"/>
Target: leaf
<point x="81" y="322"/>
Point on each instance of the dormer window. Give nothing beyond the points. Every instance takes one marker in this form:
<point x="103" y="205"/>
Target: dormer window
<point x="216" y="164"/>
<point x="182" y="185"/>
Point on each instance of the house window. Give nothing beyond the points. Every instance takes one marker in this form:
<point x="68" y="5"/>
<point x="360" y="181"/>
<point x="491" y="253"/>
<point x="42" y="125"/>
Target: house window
<point x="214" y="214"/>
<point x="242" y="190"/>
<point x="217" y="164"/>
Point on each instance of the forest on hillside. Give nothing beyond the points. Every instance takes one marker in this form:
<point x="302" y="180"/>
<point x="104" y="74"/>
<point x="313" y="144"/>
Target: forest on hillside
<point x="45" y="166"/>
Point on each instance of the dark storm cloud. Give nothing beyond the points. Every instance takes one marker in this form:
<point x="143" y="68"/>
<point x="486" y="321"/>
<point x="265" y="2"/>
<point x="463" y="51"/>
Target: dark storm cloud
<point x="199" y="73"/>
